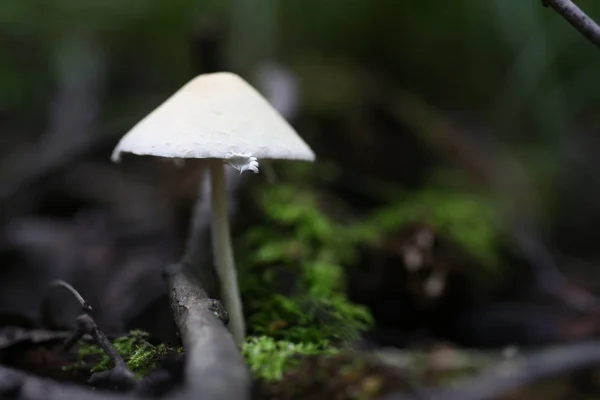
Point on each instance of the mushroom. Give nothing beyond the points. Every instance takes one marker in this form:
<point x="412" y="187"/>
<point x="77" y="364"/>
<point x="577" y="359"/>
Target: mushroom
<point x="221" y="118"/>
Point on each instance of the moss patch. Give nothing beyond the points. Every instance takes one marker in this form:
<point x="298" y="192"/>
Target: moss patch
<point x="140" y="355"/>
<point x="292" y="266"/>
<point x="270" y="359"/>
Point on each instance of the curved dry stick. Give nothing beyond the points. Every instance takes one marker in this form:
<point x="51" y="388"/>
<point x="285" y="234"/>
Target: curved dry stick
<point x="576" y="17"/>
<point x="514" y="375"/>
<point x="84" y="304"/>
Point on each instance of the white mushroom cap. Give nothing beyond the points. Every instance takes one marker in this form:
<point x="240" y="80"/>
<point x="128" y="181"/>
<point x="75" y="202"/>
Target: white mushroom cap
<point x="216" y="115"/>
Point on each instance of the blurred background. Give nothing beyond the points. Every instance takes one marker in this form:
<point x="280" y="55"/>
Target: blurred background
<point x="455" y="198"/>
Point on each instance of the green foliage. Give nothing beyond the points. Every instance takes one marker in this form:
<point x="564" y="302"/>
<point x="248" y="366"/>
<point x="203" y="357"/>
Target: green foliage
<point x="299" y="242"/>
<point x="140" y="355"/>
<point x="269" y="359"/>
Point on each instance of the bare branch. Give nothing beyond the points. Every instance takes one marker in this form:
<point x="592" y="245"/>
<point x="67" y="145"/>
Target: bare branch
<point x="576" y="17"/>
<point x="510" y="376"/>
<point x="214" y="367"/>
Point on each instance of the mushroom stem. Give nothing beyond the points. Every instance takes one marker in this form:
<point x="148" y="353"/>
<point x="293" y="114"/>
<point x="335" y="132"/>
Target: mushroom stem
<point x="223" y="253"/>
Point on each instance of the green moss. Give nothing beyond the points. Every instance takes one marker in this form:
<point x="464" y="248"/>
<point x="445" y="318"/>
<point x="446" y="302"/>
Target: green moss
<point x="269" y="359"/>
<point x="140" y="355"/>
<point x="301" y="244"/>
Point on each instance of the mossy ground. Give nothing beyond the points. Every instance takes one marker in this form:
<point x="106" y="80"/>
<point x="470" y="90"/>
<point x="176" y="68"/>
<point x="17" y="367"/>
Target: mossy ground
<point x="293" y="264"/>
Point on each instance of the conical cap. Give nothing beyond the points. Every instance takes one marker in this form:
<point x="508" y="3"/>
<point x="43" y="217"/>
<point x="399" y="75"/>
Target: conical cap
<point x="216" y="115"/>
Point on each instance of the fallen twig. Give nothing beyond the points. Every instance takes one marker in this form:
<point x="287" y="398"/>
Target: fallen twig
<point x="576" y="17"/>
<point x="514" y="375"/>
<point x="118" y="377"/>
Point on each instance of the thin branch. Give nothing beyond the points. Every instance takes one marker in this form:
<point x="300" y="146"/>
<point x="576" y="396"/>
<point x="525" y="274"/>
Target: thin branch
<point x="511" y="376"/>
<point x="46" y="309"/>
<point x="84" y="304"/>
<point x="576" y="17"/>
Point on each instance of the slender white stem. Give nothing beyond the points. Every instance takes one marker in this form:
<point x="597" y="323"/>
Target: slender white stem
<point x="223" y="253"/>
